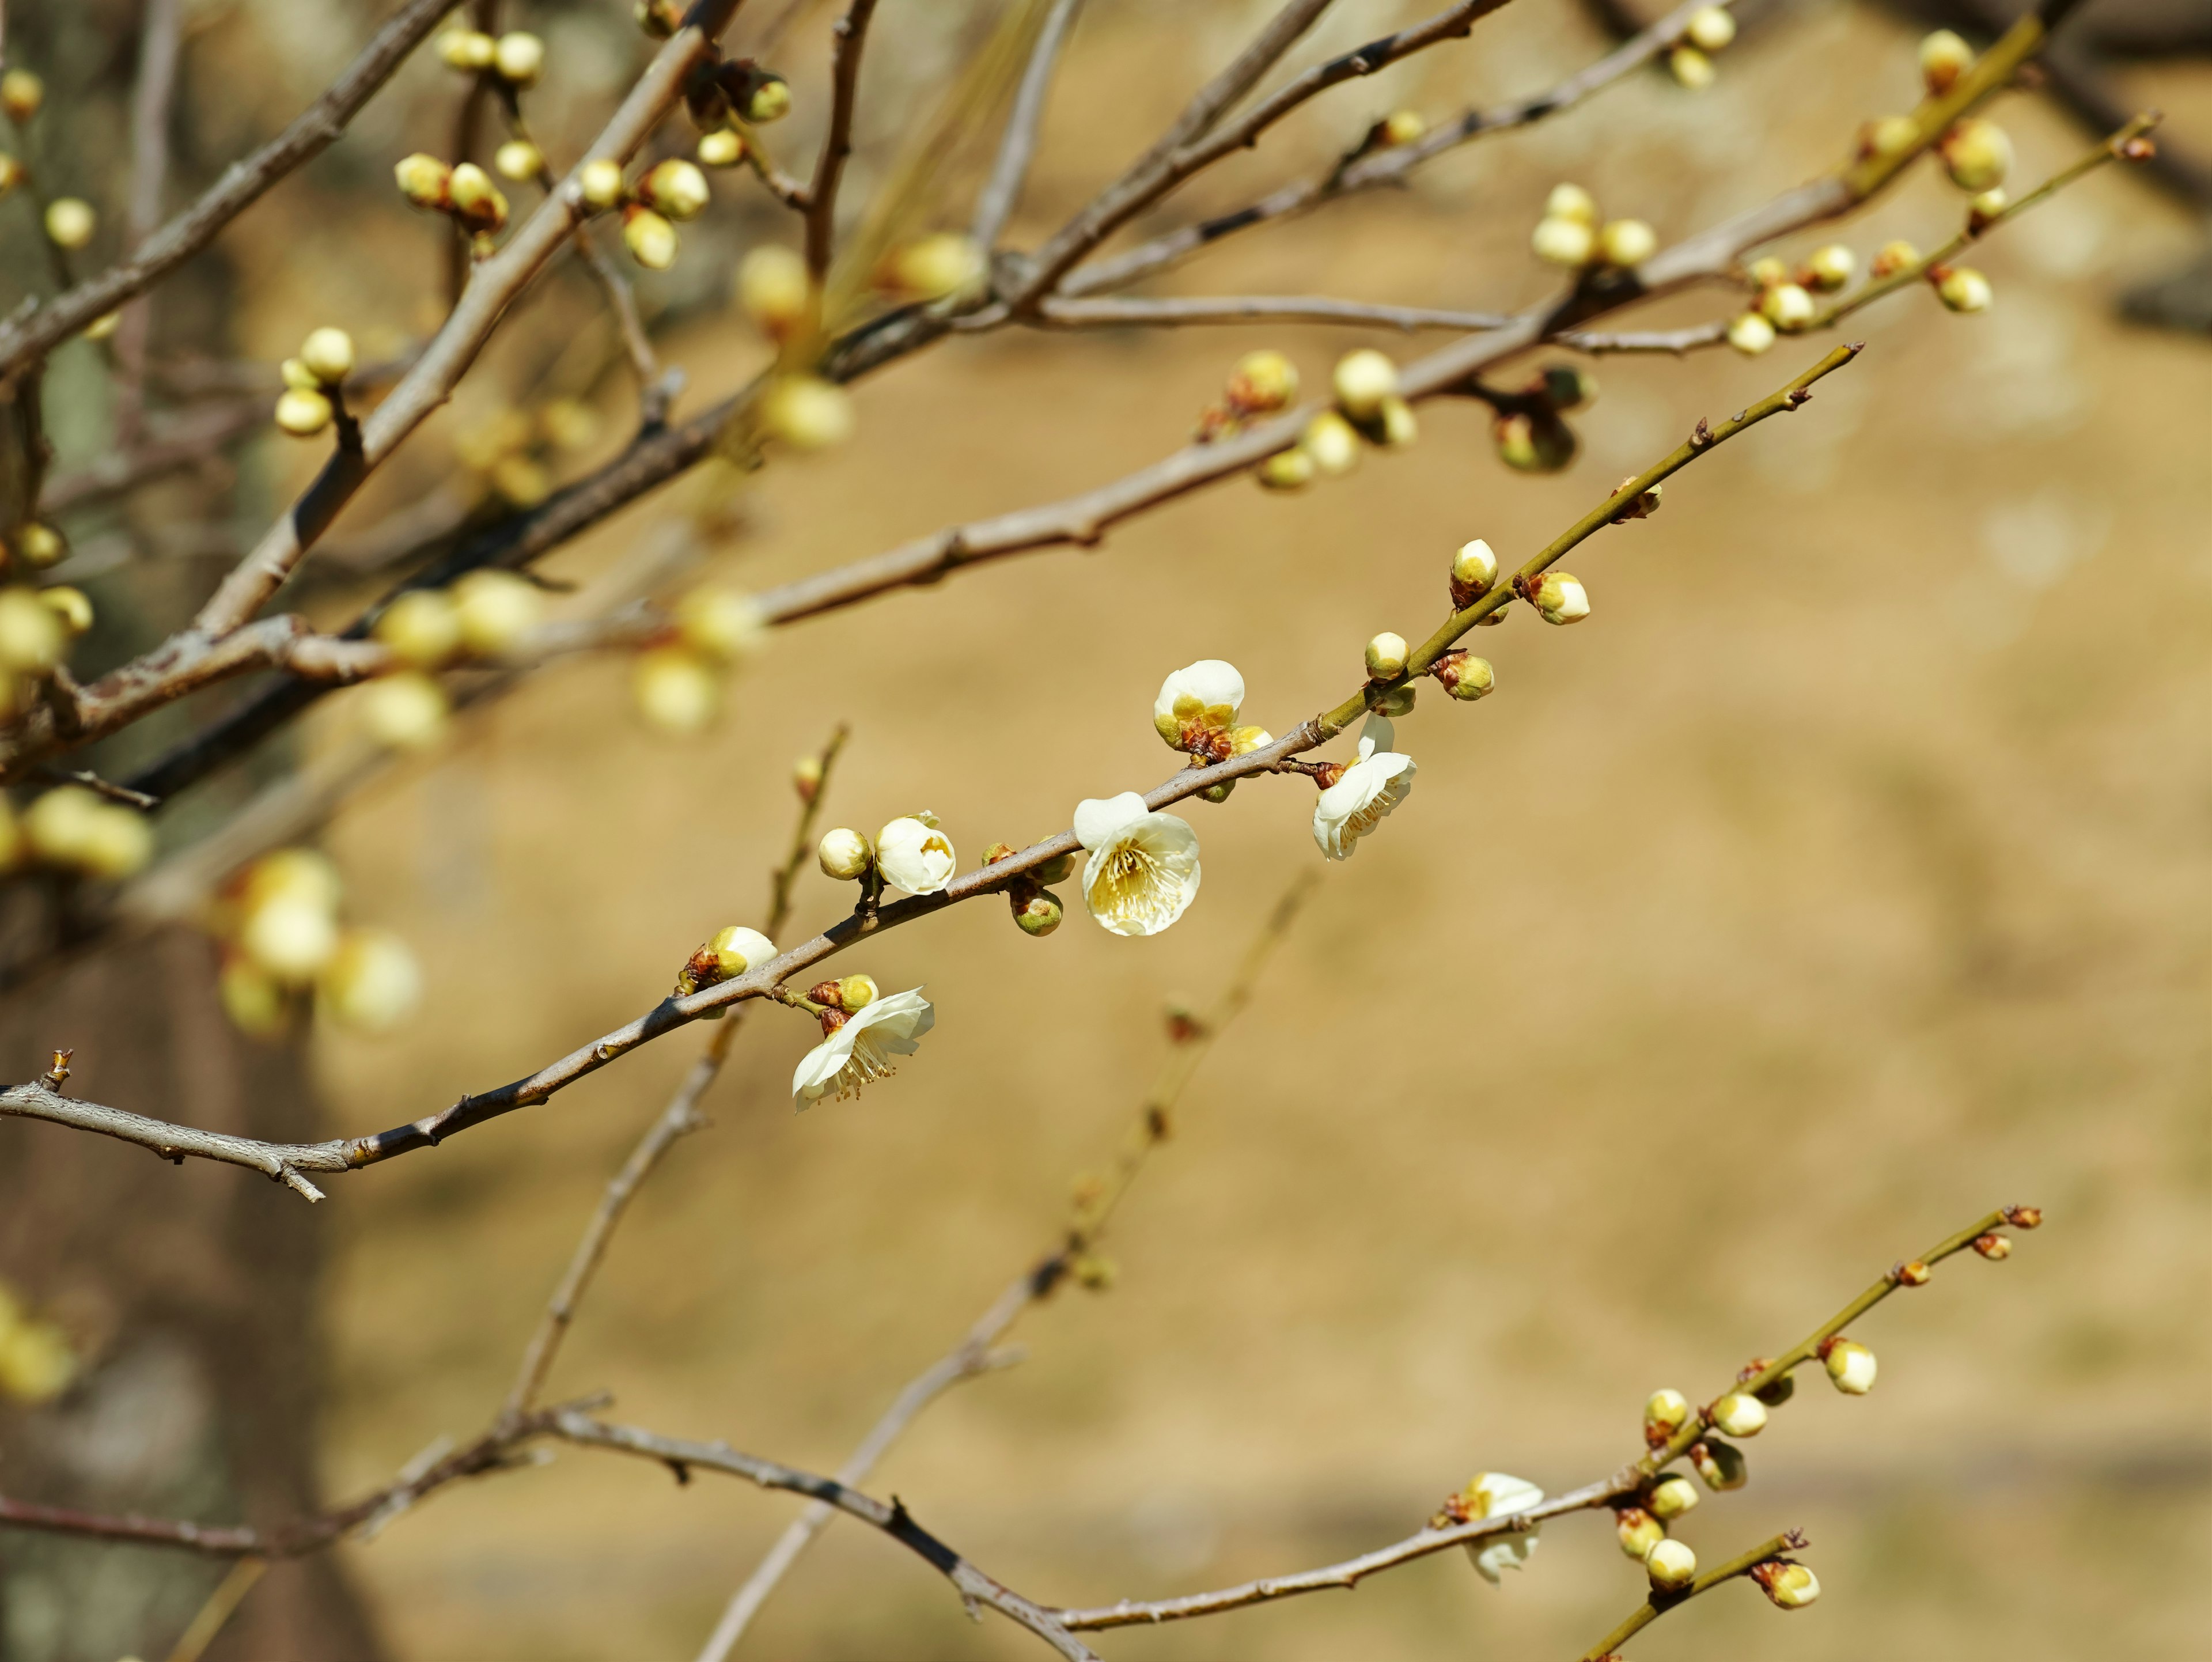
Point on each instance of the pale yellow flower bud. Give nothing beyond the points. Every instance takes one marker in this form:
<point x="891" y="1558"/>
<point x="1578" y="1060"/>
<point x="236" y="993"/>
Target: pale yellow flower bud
<point x="769" y="101"/>
<point x="423" y="179"/>
<point x="40" y="545"/>
<point x="1671" y="1565"/>
<point x="1665" y="1413"/>
<point x="1571" y="203"/>
<point x="371" y="981"/>
<point x="1286" y="470"/>
<point x="650" y="239"/>
<point x="935" y="266"/>
<point x="1740" y="1415"/>
<point x="1560" y="599"/>
<point x="289" y="938"/>
<point x="1332" y="443"/>
<point x="675" y="188"/>
<point x="59" y="826"/>
<point x="1563" y="242"/>
<point x="1691" y="69"/>
<point x="518" y="58"/>
<point x="1626" y="242"/>
<point x="70" y="604"/>
<point x="857" y="992"/>
<point x="1944" y="56"/>
<point x="1386" y="656"/>
<point x="674" y="691"/>
<point x="33" y="637"/>
<point x="21" y="94"/>
<point x="1473" y="570"/>
<point x="36" y="1362"/>
<point x="1262" y="381"/>
<point x="807" y="412"/>
<point x="724" y="149"/>
<point x="481" y="204"/>
<point x="1977" y="153"/>
<point x="497" y="612"/>
<point x="1830" y="267"/>
<point x="1671" y="1496"/>
<point x="1362" y="380"/>
<point x="845" y="854"/>
<point x="1791" y="1586"/>
<point x="1639" y="1531"/>
<point x="1394" y="424"/>
<point x="518" y="160"/>
<point x="1720" y="1465"/>
<point x="1710" y="29"/>
<point x="1401" y="127"/>
<point x="807" y="778"/>
<point x="1893" y="257"/>
<point x="118" y="841"/>
<point x="1965" y="290"/>
<point x="406" y="710"/>
<point x="1850" y="1367"/>
<point x="1985" y="208"/>
<point x="467" y="49"/>
<point x="327" y="355"/>
<point x="70" y="222"/>
<point x="1893" y="135"/>
<point x="303" y="415"/>
<point x="1465" y="676"/>
<point x="251" y="996"/>
<point x="720" y="623"/>
<point x="1750" y="333"/>
<point x="1039" y="915"/>
<point x="12" y="173"/>
<point x="774" y="289"/>
<point x="1787" y="306"/>
<point x="421" y="627"/>
<point x="599" y="182"/>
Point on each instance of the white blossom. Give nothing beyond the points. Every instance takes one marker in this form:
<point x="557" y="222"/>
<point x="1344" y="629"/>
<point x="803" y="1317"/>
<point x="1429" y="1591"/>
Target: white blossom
<point x="861" y="1049"/>
<point x="914" y="854"/>
<point x="1143" y="871"/>
<point x="1198" y="697"/>
<point x="1495" y="1494"/>
<point x="1369" y="789"/>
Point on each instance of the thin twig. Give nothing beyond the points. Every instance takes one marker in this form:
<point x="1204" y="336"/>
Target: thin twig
<point x="158" y="37"/>
<point x="1002" y="191"/>
<point x="1660" y="1602"/>
<point x="850" y="37"/>
<point x="1110" y="312"/>
<point x="229" y="1593"/>
<point x="243" y="184"/>
<point x="977" y="1352"/>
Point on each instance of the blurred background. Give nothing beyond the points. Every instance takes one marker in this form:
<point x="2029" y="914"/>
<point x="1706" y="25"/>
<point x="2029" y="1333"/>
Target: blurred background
<point x="1842" y="878"/>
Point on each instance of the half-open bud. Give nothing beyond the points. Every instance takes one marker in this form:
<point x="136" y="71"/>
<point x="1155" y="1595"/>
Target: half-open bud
<point x="1464" y="675"/>
<point x="1720" y="1465"/>
<point x="1038" y="913"/>
<point x="1790" y="1586"/>
<point x="1740" y="1414"/>
<point x="1386" y="656"/>
<point x="1850" y="1365"/>
<point x="1671" y="1565"/>
<point x="1473" y="570"/>
<point x="1559" y="598"/>
<point x="845" y="854"/>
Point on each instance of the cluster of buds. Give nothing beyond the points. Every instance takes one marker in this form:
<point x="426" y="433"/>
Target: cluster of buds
<point x="677" y="681"/>
<point x="1259" y="384"/>
<point x="486" y="617"/>
<point x="1038" y="911"/>
<point x="1529" y="430"/>
<point x="1571" y="233"/>
<point x="912" y="852"/>
<point x="931" y="268"/>
<point x="36" y="628"/>
<point x="37" y="1361"/>
<point x="1369" y="410"/>
<point x="1786" y="304"/>
<point x="516" y="58"/>
<point x="465" y="193"/>
<point x="511" y="449"/>
<point x="664" y="195"/>
<point x="838" y="1002"/>
<point x="73" y="830"/>
<point x="68" y="221"/>
<point x="1705" y="36"/>
<point x="313" y="383"/>
<point x="283" y="942"/>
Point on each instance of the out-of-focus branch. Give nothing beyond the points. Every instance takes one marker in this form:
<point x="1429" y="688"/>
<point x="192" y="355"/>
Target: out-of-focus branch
<point x="1113" y="312"/>
<point x="194" y="436"/>
<point x="1017" y="144"/>
<point x="158" y="38"/>
<point x="678" y="1120"/>
<point x="25" y="338"/>
<point x="851" y="37"/>
<point x="977" y="1353"/>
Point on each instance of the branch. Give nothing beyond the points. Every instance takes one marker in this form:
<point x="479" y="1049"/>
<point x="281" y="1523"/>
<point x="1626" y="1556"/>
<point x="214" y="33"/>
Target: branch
<point x="1003" y="190"/>
<point x="158" y="39"/>
<point x="850" y="36"/>
<point x="893" y="1520"/>
<point x="1110" y="313"/>
<point x="1659" y="1604"/>
<point x="976" y="1352"/>
<point x="1630" y="1481"/>
<point x="678" y="1120"/>
<point x="23" y="339"/>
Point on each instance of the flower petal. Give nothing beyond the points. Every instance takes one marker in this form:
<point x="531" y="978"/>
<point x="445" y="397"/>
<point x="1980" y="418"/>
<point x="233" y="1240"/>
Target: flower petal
<point x="1097" y="819"/>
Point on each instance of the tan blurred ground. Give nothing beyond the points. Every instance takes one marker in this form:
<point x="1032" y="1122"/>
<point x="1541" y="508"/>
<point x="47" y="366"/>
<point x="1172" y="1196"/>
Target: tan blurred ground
<point x="1841" y="878"/>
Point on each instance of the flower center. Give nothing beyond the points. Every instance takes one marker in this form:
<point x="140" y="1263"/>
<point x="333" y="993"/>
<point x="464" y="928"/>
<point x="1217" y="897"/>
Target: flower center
<point x="1134" y="883"/>
<point x="868" y="1063"/>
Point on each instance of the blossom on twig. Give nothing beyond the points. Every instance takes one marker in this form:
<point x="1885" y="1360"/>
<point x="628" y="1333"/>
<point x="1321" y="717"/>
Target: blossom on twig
<point x="1143" y="871"/>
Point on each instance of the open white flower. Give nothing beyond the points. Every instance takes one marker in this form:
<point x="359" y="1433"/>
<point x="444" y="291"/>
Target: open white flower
<point x="1369" y="789"/>
<point x="861" y="1049"/>
<point x="914" y="854"/>
<point x="1495" y="1494"/>
<point x="1143" y="871"/>
<point x="1197" y="698"/>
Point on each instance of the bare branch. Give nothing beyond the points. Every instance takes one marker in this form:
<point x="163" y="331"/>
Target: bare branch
<point x="243" y="184"/>
<point x="1002" y="191"/>
<point x="851" y="36"/>
<point x="1110" y="312"/>
<point x="158" y="37"/>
